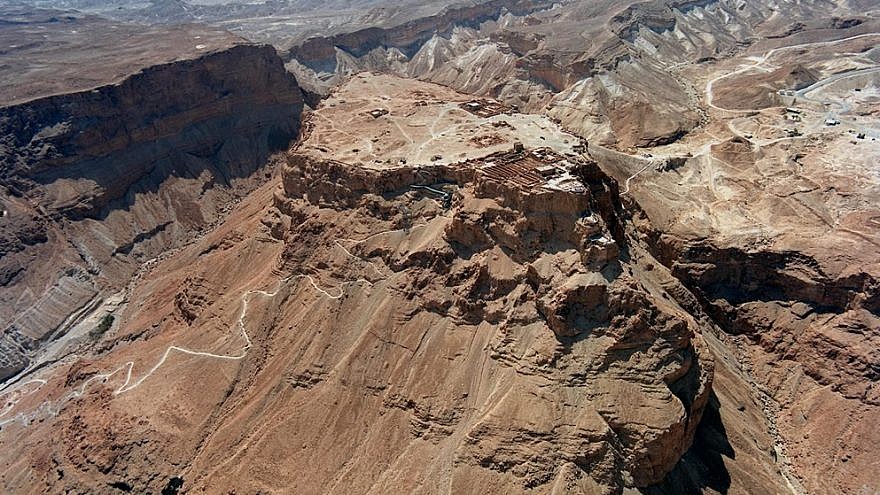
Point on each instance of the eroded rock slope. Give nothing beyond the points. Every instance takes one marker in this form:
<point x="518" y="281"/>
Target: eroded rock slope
<point x="606" y="70"/>
<point x="487" y="313"/>
<point x="97" y="180"/>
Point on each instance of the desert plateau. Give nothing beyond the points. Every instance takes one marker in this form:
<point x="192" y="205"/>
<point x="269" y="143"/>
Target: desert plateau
<point x="485" y="247"/>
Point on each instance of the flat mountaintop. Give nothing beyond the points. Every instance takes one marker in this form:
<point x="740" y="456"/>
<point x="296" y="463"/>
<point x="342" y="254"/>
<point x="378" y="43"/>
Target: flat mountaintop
<point x="49" y="52"/>
<point x="379" y="120"/>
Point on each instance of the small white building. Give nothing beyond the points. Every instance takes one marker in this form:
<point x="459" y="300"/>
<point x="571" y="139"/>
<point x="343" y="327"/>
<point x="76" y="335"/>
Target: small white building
<point x="548" y="170"/>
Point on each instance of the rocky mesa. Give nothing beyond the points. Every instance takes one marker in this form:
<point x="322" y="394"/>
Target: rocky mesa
<point x="123" y="163"/>
<point x="485" y="309"/>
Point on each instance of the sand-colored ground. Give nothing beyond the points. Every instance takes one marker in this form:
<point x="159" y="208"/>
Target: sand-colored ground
<point x="424" y="123"/>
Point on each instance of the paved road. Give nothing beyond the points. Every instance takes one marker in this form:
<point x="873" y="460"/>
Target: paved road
<point x="760" y="61"/>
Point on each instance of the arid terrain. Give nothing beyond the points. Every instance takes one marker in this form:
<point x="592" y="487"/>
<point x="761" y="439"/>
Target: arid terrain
<point x="491" y="247"/>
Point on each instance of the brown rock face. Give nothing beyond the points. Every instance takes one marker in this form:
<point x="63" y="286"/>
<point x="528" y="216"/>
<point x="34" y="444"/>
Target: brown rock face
<point x="815" y="333"/>
<point x="780" y="251"/>
<point x="101" y="180"/>
<point x="438" y="293"/>
<point x="353" y="320"/>
<point x="590" y="379"/>
<point x="102" y="142"/>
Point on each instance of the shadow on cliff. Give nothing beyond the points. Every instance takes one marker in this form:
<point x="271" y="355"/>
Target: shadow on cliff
<point x="218" y="159"/>
<point x="214" y="119"/>
<point x="702" y="467"/>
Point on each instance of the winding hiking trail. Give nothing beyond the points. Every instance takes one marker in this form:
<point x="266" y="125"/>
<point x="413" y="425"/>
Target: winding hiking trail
<point x="52" y="408"/>
<point x="633" y="176"/>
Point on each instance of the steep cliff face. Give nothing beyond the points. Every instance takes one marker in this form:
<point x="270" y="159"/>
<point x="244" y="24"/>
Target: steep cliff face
<point x="796" y="293"/>
<point x="809" y="333"/>
<point x="101" y="180"/>
<point x="77" y="154"/>
<point x="550" y="358"/>
<point x="487" y="311"/>
<point x="531" y="283"/>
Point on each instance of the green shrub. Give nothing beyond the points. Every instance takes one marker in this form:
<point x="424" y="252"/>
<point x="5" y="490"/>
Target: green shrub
<point x="103" y="326"/>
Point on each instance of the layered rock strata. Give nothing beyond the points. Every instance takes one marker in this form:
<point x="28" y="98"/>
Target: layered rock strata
<point x="609" y="71"/>
<point x="796" y="292"/>
<point x="591" y="380"/>
<point x="96" y="182"/>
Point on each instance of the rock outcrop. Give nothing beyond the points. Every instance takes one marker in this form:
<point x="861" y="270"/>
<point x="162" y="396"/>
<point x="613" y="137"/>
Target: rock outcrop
<point x="439" y="293"/>
<point x="355" y="319"/>
<point x="592" y="378"/>
<point x="790" y="275"/>
<point x="100" y="180"/>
